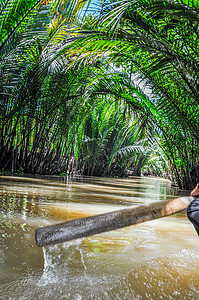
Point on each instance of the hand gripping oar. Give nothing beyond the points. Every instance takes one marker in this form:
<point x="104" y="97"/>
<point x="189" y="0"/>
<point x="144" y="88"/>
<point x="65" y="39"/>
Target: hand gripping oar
<point x="79" y="228"/>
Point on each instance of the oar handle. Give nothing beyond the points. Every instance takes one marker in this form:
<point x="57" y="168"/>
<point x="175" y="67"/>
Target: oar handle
<point x="83" y="227"/>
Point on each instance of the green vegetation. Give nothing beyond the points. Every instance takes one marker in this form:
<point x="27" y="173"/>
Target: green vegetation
<point x="100" y="94"/>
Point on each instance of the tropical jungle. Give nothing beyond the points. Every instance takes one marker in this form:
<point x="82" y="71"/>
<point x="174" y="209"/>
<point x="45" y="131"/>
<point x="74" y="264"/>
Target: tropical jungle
<point x="104" y="88"/>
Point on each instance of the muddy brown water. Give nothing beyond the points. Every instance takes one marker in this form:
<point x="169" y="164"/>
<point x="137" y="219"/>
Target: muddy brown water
<point x="154" y="260"/>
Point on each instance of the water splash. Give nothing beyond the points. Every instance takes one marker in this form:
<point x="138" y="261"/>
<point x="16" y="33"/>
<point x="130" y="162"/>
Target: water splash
<point x="49" y="270"/>
<point x="82" y="260"/>
<point x="57" y="261"/>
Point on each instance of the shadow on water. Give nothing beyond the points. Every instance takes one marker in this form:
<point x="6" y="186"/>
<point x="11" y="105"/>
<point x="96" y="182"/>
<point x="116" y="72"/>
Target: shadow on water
<point x="153" y="260"/>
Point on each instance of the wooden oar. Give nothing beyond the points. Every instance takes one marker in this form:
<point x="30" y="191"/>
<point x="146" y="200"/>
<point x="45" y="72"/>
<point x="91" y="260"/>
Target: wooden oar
<point x="79" y="228"/>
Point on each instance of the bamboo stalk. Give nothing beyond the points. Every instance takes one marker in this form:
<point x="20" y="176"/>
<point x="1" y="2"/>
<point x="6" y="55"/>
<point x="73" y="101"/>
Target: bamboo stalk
<point x="83" y="227"/>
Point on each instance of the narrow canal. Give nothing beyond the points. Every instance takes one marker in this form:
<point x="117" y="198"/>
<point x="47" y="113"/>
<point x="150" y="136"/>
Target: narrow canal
<point x="154" y="260"/>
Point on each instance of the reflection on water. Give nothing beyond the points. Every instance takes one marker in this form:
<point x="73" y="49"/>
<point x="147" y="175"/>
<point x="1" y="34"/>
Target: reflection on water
<point x="153" y="260"/>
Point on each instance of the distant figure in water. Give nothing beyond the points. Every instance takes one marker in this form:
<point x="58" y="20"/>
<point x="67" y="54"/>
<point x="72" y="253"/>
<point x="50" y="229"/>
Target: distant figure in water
<point x="193" y="209"/>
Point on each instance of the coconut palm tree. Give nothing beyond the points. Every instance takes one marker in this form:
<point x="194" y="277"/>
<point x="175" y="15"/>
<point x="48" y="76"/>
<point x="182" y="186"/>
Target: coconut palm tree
<point x="157" y="42"/>
<point x="154" y="42"/>
<point x="27" y="68"/>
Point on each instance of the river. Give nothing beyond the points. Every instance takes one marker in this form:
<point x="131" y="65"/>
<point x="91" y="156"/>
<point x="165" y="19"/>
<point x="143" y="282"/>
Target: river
<point x="153" y="260"/>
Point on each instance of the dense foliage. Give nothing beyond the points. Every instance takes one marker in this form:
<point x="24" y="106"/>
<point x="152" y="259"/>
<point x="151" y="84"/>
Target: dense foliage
<point x="102" y="94"/>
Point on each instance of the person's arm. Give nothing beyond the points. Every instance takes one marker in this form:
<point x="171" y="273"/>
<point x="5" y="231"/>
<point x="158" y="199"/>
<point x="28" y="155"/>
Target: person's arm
<point x="195" y="191"/>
